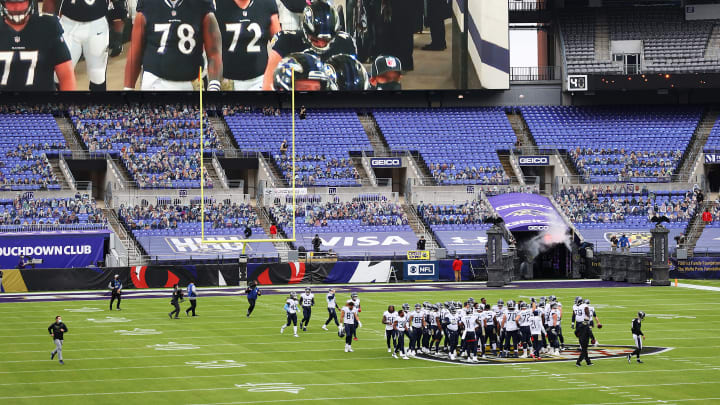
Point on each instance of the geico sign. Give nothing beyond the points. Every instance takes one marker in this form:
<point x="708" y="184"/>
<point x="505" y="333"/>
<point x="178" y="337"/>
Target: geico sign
<point x="534" y="160"/>
<point x="390" y="162"/>
<point x="538" y="228"/>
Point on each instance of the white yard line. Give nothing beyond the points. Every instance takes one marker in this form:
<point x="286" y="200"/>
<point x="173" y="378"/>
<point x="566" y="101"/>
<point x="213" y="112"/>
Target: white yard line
<point x="699" y="287"/>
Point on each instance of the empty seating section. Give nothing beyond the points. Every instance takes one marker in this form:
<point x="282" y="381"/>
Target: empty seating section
<point x="598" y="209"/>
<point x="670" y="43"/>
<point x="324" y="141"/>
<point x="459" y="145"/>
<point x="159" y="145"/>
<point x="468" y="216"/>
<point x="184" y="220"/>
<point x="40" y="214"/>
<point x="713" y="143"/>
<point x="357" y="216"/>
<point x="26" y="143"/>
<point x="609" y="144"/>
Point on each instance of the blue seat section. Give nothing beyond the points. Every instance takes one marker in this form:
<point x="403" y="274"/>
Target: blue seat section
<point x="364" y="215"/>
<point x="27" y="140"/>
<point x="713" y="143"/>
<point x="324" y="141"/>
<point x="458" y="144"/>
<point x="467" y="216"/>
<point x="158" y="145"/>
<point x="595" y="209"/>
<point x="51" y="214"/>
<point x="609" y="144"/>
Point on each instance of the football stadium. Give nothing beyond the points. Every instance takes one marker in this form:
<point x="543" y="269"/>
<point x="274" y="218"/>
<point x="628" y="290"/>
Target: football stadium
<point x="359" y="201"/>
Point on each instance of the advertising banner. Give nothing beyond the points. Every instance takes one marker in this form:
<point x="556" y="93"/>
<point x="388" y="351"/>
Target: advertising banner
<point x="464" y="242"/>
<point x="421" y="270"/>
<point x="639" y="238"/>
<point x="53" y="249"/>
<point x="339" y="272"/>
<point x="697" y="268"/>
<point x="709" y="241"/>
<point x="418" y="255"/>
<point x="525" y="212"/>
<point x="385" y="162"/>
<point x="376" y="244"/>
<point x="170" y="248"/>
<point x="534" y="160"/>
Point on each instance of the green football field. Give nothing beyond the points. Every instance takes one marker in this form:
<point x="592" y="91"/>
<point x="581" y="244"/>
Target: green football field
<point x="222" y="357"/>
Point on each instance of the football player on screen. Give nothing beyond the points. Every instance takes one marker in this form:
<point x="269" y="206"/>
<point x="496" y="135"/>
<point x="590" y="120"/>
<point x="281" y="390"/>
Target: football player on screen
<point x="247" y="26"/>
<point x="87" y="33"/>
<point x="32" y="49"/>
<point x="310" y="73"/>
<point x="168" y="39"/>
<point x="320" y="35"/>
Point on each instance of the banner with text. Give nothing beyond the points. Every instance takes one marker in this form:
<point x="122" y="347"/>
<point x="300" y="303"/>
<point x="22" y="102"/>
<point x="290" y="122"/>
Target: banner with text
<point x="697" y="268"/>
<point x="376" y="244"/>
<point x="54" y="249"/>
<point x="171" y="248"/>
<point x="525" y="212"/>
<point x="464" y="242"/>
<point x="639" y="238"/>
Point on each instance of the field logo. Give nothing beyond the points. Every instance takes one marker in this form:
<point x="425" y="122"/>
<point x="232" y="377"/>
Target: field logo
<point x="173" y="346"/>
<point x="138" y="332"/>
<point x="215" y="364"/>
<point x="272" y="387"/>
<point x="83" y="309"/>
<point x="570" y="353"/>
<point x="110" y="319"/>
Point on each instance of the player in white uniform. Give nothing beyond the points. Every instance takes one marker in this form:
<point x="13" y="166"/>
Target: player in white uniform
<point x="444" y="312"/>
<point x="356" y="304"/>
<point x="451" y="322"/>
<point x="389" y="321"/>
<point x="500" y="313"/>
<point x="417" y="324"/>
<point x="308" y="300"/>
<point x="488" y="320"/>
<point x="553" y="321"/>
<point x="331" y="306"/>
<point x="536" y="330"/>
<point x="436" y="327"/>
<point x="400" y="327"/>
<point x="593" y="322"/>
<point x="350" y="319"/>
<point x="512" y="331"/>
<point x="291" y="308"/>
<point x="470" y="322"/>
<point x="525" y="334"/>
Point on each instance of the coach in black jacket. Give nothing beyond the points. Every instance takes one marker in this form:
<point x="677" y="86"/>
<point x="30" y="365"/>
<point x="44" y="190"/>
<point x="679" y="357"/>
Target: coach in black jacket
<point x="57" y="331"/>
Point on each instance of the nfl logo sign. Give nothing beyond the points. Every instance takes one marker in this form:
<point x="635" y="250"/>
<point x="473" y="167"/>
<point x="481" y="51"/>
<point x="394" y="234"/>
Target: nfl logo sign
<point x="17" y="40"/>
<point x="244" y="13"/>
<point x="173" y="13"/>
<point x="391" y="62"/>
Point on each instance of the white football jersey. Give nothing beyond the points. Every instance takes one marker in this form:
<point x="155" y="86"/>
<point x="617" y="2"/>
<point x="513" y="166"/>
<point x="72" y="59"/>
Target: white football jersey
<point x="390" y="317"/>
<point x="548" y="318"/>
<point x="525" y="317"/>
<point x="536" y="326"/>
<point x="580" y="313"/>
<point x="307" y="299"/>
<point x="330" y="300"/>
<point x="453" y="321"/>
<point x="511" y="323"/>
<point x="416" y="319"/>
<point x="402" y="322"/>
<point x="356" y="303"/>
<point x="470" y="321"/>
<point x="554" y="312"/>
<point x="348" y="315"/>
<point x="292" y="305"/>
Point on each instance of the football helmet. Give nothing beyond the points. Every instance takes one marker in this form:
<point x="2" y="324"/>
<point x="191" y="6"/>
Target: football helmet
<point x="307" y="290"/>
<point x="341" y="331"/>
<point x="451" y="308"/>
<point x="501" y="303"/>
<point x="541" y="304"/>
<point x="306" y="67"/>
<point x="17" y="17"/>
<point x="511" y="304"/>
<point x="641" y="315"/>
<point x="293" y="295"/>
<point x="471" y="299"/>
<point x="347" y="73"/>
<point x="353" y="295"/>
<point x="320" y="22"/>
<point x="418" y="306"/>
<point x="523" y="305"/>
<point x="578" y="300"/>
<point x="469" y="310"/>
<point x="587" y="302"/>
<point x="553" y="298"/>
<point x="542" y="298"/>
<point x="406" y="307"/>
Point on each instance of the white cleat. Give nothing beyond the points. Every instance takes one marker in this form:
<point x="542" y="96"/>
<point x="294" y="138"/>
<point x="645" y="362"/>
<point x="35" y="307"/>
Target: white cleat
<point x="346" y="348"/>
<point x="523" y="356"/>
<point x="394" y="356"/>
<point x="282" y="330"/>
<point x="389" y="350"/>
<point x="350" y="348"/>
<point x="405" y="358"/>
<point x="296" y="335"/>
<point x="324" y="327"/>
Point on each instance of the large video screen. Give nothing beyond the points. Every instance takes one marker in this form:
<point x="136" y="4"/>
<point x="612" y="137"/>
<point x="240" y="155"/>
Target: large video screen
<point x="246" y="45"/>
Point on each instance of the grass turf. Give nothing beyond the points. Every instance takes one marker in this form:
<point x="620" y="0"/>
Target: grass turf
<point x="103" y="366"/>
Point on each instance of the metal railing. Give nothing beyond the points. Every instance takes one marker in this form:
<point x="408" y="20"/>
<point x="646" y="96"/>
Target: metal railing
<point x="220" y="171"/>
<point x="534" y="73"/>
<point x="525" y="5"/>
<point x="53" y="227"/>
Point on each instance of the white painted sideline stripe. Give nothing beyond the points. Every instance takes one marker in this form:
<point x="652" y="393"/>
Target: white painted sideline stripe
<point x="655" y="401"/>
<point x="123" y="393"/>
<point x="699" y="287"/>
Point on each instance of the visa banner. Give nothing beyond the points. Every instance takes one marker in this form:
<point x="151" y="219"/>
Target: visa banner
<point x="414" y="270"/>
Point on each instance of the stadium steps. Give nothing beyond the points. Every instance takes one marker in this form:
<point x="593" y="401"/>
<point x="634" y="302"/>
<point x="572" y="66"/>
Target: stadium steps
<point x="602" y="38"/>
<point x="224" y="136"/>
<point x="212" y="174"/>
<point x="696" y="226"/>
<point x="418" y="226"/>
<point x="123" y="172"/>
<point x="522" y="132"/>
<point x="275" y="171"/>
<point x="357" y="162"/>
<point x="135" y="253"/>
<point x="515" y="177"/>
<point x="59" y="175"/>
<point x="72" y="140"/>
<point x="689" y="160"/>
<point x="264" y="218"/>
<point x="712" y="51"/>
<point x="419" y="161"/>
<point x="374" y="134"/>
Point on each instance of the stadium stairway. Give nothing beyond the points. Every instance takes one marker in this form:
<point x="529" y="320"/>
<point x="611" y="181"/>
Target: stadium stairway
<point x="689" y="162"/>
<point x="224" y="136"/>
<point x="522" y="132"/>
<point x="122" y="171"/>
<point x="357" y="162"/>
<point x="515" y="177"/>
<point x="264" y="218"/>
<point x="212" y="174"/>
<point x="374" y="134"/>
<point x="696" y="227"/>
<point x="712" y="51"/>
<point x="71" y="138"/>
<point x="418" y="226"/>
<point x="602" y="38"/>
<point x="59" y="174"/>
<point x="134" y="251"/>
<point x="275" y="171"/>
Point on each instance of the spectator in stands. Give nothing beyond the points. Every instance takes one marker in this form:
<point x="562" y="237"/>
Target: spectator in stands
<point x="283" y="147"/>
<point x="303" y="113"/>
<point x="273" y="231"/>
<point x="613" y="242"/>
<point x="421" y="243"/>
<point x="248" y="231"/>
<point x="624" y="243"/>
<point x="316" y="242"/>
<point x="169" y="216"/>
<point x="457" y="268"/>
<point x="699" y="196"/>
